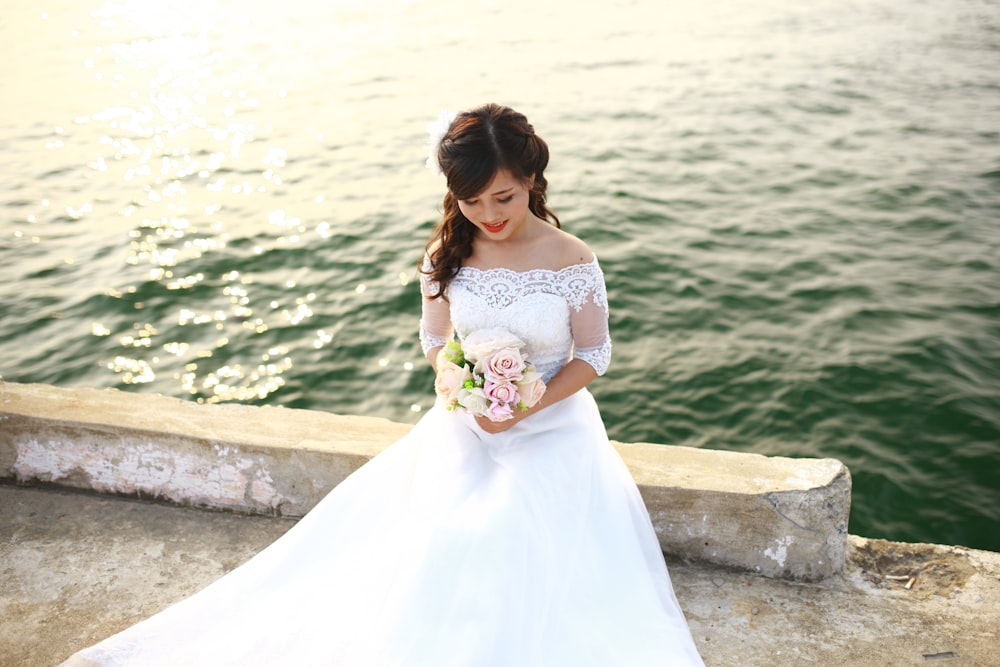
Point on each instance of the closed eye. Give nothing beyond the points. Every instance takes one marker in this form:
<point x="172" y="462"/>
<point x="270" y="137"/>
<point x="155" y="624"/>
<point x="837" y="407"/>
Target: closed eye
<point x="506" y="199"/>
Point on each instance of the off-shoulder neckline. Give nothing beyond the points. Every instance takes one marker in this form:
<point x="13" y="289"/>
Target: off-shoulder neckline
<point x="504" y="269"/>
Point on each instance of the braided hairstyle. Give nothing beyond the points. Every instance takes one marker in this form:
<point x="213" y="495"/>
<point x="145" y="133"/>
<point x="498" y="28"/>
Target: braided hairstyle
<point x="477" y="145"/>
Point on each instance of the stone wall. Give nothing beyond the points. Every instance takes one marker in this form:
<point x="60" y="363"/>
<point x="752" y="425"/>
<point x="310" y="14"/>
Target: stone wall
<point x="780" y="517"/>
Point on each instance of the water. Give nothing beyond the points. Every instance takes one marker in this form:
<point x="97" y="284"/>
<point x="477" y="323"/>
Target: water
<point x="795" y="204"/>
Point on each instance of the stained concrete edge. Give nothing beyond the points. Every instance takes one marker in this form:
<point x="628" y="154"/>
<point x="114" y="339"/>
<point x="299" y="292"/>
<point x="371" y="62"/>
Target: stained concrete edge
<point x="776" y="516"/>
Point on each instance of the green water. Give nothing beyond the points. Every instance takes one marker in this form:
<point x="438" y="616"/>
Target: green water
<point x="795" y="205"/>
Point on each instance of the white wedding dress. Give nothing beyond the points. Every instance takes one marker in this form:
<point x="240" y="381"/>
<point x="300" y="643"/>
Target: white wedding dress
<point x="455" y="547"/>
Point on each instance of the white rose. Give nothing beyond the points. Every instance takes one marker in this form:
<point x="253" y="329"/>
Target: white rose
<point x="481" y="343"/>
<point x="473" y="400"/>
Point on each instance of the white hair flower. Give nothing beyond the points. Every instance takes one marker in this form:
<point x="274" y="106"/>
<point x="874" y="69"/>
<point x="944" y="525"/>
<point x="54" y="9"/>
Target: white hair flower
<point x="435" y="133"/>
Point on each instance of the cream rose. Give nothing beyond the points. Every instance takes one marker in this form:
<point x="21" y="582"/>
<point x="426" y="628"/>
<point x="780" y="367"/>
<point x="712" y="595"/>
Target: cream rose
<point x="483" y="342"/>
<point x="531" y="388"/>
<point x="450" y="379"/>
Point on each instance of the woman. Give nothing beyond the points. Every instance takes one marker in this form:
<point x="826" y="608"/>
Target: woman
<point x="470" y="542"/>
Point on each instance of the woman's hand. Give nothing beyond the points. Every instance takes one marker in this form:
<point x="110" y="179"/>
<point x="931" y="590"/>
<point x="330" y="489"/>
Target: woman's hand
<point x="491" y="426"/>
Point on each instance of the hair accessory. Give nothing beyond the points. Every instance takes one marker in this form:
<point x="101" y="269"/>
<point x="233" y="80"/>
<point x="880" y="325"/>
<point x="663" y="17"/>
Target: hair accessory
<point x="435" y="133"/>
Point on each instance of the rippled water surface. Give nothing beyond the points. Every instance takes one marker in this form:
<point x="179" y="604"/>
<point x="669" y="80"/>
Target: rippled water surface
<point x="796" y="206"/>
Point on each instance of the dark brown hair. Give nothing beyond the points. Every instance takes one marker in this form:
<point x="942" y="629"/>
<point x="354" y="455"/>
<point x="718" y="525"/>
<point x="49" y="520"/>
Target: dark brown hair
<point x="477" y="145"/>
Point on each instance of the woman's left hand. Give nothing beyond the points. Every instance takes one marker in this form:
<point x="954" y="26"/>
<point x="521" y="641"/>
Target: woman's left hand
<point x="491" y="426"/>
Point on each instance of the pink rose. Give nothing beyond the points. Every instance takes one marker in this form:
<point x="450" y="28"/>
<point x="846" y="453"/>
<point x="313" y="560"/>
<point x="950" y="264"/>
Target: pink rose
<point x="450" y="379"/>
<point x="499" y="412"/>
<point x="501" y="392"/>
<point x="505" y="364"/>
<point x="531" y="388"/>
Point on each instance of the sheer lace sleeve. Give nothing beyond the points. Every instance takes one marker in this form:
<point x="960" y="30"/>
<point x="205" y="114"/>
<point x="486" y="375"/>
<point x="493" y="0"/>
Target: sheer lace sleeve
<point x="435" y="318"/>
<point x="588" y="297"/>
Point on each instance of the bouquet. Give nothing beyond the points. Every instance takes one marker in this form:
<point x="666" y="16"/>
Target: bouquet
<point x="487" y="375"/>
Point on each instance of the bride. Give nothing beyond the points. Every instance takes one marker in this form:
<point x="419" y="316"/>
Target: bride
<point x="470" y="542"/>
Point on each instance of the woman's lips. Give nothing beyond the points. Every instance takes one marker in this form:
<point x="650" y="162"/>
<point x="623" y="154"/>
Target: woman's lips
<point x="493" y="229"/>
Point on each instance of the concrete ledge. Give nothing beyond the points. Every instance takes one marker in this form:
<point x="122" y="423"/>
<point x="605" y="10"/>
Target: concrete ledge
<point x="777" y="516"/>
<point x="780" y="517"/>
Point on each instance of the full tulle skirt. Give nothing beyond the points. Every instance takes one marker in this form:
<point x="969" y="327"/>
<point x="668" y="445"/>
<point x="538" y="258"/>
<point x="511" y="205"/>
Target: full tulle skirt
<point x="452" y="548"/>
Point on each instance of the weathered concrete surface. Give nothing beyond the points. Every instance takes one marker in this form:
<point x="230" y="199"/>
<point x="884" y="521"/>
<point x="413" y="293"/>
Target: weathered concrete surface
<point x="776" y="516"/>
<point x="251" y="459"/>
<point x="76" y="567"/>
<point x="779" y="517"/>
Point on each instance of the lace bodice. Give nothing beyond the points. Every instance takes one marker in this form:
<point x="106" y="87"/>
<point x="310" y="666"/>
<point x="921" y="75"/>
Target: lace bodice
<point x="559" y="314"/>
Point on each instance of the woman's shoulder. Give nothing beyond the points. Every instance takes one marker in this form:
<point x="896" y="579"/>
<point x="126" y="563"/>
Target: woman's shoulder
<point x="431" y="248"/>
<point x="565" y="250"/>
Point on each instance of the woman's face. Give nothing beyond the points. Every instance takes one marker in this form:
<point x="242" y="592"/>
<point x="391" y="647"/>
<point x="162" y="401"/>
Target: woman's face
<point x="501" y="210"/>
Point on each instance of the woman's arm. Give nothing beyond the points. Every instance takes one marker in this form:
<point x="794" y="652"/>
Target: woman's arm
<point x="435" y="320"/>
<point x="432" y="354"/>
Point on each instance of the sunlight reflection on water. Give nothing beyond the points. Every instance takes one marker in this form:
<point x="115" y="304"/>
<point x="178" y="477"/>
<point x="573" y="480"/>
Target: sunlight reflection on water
<point x="174" y="149"/>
